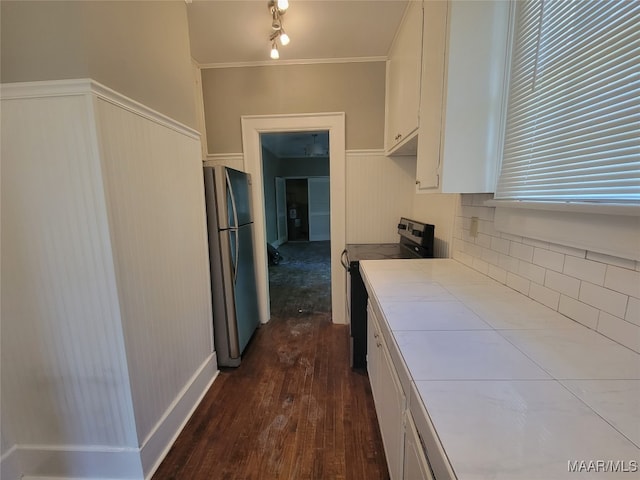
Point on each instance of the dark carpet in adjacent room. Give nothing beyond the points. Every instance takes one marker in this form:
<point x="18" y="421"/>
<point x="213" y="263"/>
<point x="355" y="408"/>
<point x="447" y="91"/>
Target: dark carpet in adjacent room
<point x="293" y="409"/>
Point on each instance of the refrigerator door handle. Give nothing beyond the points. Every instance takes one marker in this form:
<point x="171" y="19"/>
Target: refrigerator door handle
<point x="234" y="265"/>
<point x="234" y="227"/>
<point x="233" y="200"/>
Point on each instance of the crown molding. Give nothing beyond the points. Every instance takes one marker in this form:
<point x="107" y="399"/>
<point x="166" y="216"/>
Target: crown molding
<point x="302" y="61"/>
<point x="87" y="86"/>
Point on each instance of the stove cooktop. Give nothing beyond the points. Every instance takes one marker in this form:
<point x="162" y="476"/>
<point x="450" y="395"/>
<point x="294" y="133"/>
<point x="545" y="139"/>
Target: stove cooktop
<point x="377" y="251"/>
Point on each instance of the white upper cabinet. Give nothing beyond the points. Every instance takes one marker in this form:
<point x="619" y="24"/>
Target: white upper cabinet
<point x="446" y="78"/>
<point x="403" y="84"/>
<point x="462" y="103"/>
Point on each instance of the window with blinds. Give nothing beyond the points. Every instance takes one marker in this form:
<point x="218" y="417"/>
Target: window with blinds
<point x="573" y="113"/>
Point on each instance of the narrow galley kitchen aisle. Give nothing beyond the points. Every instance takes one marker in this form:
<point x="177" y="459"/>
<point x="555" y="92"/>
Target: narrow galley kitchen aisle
<point x="293" y="409"/>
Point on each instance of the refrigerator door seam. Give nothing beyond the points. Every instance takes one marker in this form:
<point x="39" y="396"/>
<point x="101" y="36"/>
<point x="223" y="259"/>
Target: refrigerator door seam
<point x="234" y="228"/>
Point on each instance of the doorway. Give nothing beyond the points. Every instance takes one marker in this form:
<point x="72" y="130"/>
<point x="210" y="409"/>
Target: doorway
<point x="297" y="194"/>
<point x="333" y="123"/>
<point x="308" y="207"/>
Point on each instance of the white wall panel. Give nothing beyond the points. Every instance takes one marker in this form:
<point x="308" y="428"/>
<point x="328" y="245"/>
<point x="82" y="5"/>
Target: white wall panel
<point x="64" y="375"/>
<point x="379" y="191"/>
<point x="153" y="178"/>
<point x="106" y="309"/>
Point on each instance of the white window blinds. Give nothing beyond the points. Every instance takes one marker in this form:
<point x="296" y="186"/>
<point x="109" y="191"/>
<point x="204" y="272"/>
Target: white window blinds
<point x="573" y="114"/>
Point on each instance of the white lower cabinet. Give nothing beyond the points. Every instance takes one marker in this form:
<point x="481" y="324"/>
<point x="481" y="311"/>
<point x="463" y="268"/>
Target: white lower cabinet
<point x="388" y="396"/>
<point x="416" y="466"/>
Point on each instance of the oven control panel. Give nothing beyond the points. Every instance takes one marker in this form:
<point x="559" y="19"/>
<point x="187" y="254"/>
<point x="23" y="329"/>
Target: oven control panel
<point x="418" y="232"/>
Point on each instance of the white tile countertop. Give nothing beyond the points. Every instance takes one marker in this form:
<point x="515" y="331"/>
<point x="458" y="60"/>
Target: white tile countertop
<point x="514" y="390"/>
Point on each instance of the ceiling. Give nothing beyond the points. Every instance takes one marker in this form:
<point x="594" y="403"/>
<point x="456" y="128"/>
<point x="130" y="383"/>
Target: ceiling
<point x="236" y="32"/>
<point x="226" y="32"/>
<point x="297" y="144"/>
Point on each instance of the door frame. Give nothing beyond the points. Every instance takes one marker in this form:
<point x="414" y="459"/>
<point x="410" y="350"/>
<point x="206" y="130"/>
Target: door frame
<point x="252" y="127"/>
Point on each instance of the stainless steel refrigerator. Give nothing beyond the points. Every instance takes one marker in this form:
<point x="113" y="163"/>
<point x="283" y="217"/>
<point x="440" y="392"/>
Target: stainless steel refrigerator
<point x="233" y="279"/>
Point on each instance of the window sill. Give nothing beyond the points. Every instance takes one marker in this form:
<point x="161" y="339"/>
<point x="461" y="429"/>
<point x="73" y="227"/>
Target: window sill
<point x="612" y="229"/>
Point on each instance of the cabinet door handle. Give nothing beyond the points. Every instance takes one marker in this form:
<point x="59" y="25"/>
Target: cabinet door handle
<point x="378" y="344"/>
<point x="375" y="335"/>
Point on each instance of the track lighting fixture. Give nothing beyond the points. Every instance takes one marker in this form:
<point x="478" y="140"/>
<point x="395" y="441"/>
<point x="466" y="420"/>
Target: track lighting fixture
<point x="277" y="9"/>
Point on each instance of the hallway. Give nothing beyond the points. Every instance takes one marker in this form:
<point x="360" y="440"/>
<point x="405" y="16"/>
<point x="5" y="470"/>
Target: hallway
<point x="293" y="409"/>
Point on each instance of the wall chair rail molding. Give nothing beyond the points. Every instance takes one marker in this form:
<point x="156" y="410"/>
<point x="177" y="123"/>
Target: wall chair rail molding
<point x="84" y="86"/>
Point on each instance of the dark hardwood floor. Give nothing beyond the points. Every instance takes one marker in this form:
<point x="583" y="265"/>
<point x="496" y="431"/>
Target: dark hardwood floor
<point x="293" y="409"/>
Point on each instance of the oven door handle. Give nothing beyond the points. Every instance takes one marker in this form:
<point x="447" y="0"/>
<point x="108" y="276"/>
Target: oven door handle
<point x="344" y="260"/>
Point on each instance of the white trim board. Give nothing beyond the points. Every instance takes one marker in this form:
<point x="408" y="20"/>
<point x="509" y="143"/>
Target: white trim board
<point x="104" y="462"/>
<point x="83" y="86"/>
<point x="617" y="235"/>
<point x="252" y="127"/>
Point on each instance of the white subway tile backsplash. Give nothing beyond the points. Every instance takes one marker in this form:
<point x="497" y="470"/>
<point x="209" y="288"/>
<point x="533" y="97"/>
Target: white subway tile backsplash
<point x="578" y="311"/>
<point x="500" y="245"/>
<point x="483" y="240"/>
<point x="544" y="295"/>
<point x="497" y="273"/>
<point x="562" y="283"/>
<point x="463" y="257"/>
<point x="508" y="236"/>
<point x="490" y="256"/>
<point x="473" y="249"/>
<point x="521" y="251"/>
<point x="535" y="243"/>
<point x="480" y="198"/>
<point x="620" y="331"/>
<point x="633" y="311"/>
<point x="480" y="265"/>
<point x="510" y="264"/>
<point x="574" y="252"/>
<point x="486" y="227"/>
<point x="600" y="291"/>
<point x="548" y="259"/>
<point x="609" y="260"/>
<point x="518" y="283"/>
<point x="604" y="299"/>
<point x="583" y="269"/>
<point x="623" y="280"/>
<point x="532" y="272"/>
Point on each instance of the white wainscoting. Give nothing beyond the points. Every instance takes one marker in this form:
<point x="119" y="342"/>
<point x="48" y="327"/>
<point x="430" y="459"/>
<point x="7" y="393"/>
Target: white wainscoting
<point x="380" y="190"/>
<point x="106" y="309"/>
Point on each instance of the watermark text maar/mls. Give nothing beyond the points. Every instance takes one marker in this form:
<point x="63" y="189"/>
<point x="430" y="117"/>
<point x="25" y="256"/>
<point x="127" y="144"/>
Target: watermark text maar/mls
<point x="603" y="466"/>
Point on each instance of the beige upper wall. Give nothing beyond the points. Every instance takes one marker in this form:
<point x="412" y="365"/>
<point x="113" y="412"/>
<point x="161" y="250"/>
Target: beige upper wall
<point x="138" y="48"/>
<point x="354" y="88"/>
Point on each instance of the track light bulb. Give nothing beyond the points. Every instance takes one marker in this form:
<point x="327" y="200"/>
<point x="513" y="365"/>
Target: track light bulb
<point x="283" y="5"/>
<point x="284" y="38"/>
<point x="274" y="51"/>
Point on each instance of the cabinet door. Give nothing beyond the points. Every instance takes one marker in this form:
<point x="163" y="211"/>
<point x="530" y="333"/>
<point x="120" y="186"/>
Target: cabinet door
<point x="403" y="79"/>
<point x="433" y="94"/>
<point x="388" y="396"/>
<point x="391" y="418"/>
<point x="416" y="465"/>
<point x="373" y="356"/>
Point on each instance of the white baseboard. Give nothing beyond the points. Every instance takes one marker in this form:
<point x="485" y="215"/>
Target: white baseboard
<point x="42" y="462"/>
<point x="159" y="442"/>
<point x="79" y="462"/>
<point x="10" y="465"/>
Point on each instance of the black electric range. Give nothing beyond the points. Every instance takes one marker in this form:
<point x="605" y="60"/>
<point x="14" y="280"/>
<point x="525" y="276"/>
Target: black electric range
<point x="416" y="241"/>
